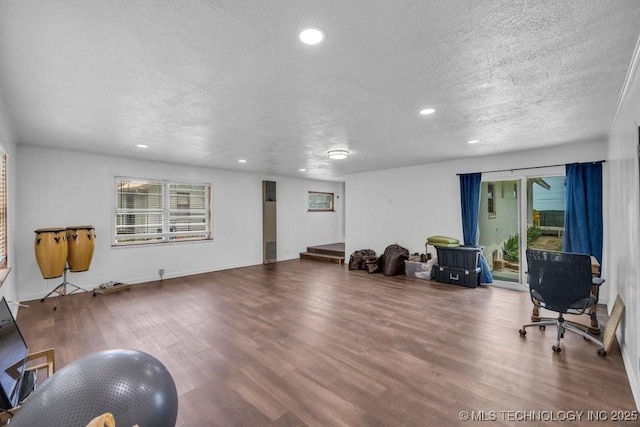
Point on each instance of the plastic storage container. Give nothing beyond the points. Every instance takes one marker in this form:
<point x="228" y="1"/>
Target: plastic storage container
<point x="469" y="278"/>
<point x="421" y="270"/>
<point x="465" y="257"/>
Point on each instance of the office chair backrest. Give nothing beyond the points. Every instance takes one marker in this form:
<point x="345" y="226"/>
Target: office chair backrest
<point x="559" y="279"/>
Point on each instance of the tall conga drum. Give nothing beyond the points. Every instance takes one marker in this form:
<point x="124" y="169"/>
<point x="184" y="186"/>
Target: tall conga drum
<point x="51" y="251"/>
<point x="81" y="242"/>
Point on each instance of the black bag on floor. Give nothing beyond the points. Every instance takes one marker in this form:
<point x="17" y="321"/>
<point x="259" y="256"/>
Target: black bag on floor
<point x="358" y="259"/>
<point x="393" y="260"/>
<point x="373" y="265"/>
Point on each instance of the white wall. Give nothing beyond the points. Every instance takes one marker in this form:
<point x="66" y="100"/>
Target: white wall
<point x="623" y="217"/>
<point x="298" y="228"/>
<point x="62" y="188"/>
<point x="7" y="139"/>
<point x="407" y="205"/>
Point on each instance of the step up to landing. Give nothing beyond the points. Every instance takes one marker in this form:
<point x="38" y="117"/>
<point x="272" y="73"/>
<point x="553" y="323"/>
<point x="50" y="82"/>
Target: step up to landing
<point x="333" y="252"/>
<point x="322" y="257"/>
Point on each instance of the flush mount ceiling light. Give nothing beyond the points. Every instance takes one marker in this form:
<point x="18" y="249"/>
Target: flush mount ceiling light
<point x="302" y="170"/>
<point x="142" y="146"/>
<point x="427" y="111"/>
<point x="311" y="36"/>
<point x="242" y="161"/>
<point x="338" y="154"/>
<point x="473" y="141"/>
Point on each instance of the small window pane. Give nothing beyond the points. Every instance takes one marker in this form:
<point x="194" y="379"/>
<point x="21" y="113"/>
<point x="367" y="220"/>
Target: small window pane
<point x="318" y="201"/>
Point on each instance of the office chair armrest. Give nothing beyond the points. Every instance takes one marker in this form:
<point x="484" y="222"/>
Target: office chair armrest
<point x="597" y="281"/>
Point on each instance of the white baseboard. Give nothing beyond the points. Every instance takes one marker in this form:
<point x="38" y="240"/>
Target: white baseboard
<point x="632" y="373"/>
<point x="145" y="279"/>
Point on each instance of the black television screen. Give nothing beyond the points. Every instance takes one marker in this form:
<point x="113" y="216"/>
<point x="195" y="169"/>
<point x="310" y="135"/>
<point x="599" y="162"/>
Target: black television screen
<point x="13" y="358"/>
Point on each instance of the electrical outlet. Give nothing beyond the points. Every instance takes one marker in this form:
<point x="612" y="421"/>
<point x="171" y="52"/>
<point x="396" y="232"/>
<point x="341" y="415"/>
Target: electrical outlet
<point x="161" y="272"/>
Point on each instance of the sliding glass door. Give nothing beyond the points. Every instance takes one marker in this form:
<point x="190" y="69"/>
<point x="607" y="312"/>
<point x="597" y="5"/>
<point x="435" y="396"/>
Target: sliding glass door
<point x="519" y="213"/>
<point x="500" y="228"/>
<point x="545" y="227"/>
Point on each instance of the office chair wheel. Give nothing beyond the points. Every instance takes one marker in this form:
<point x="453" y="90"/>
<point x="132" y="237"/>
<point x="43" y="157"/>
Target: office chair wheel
<point x="522" y="332"/>
<point x="602" y="352"/>
<point x="542" y="327"/>
<point x="556" y="349"/>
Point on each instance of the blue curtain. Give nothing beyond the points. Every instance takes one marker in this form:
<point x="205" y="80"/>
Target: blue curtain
<point x="583" y="209"/>
<point x="470" y="204"/>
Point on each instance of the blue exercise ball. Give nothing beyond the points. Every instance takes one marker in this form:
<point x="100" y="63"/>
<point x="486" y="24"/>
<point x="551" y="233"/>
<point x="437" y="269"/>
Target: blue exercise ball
<point x="133" y="386"/>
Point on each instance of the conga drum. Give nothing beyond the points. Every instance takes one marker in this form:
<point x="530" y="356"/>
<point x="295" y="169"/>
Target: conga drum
<point x="81" y="242"/>
<point x="51" y="251"/>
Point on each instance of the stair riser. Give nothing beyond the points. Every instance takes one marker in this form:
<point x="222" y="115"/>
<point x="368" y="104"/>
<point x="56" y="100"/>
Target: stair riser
<point x="311" y="257"/>
<point x="325" y="251"/>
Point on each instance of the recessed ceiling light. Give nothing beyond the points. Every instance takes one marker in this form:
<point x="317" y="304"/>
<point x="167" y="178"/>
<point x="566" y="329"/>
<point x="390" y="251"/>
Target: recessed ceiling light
<point x="142" y="146"/>
<point x="242" y="161"/>
<point x="473" y="141"/>
<point x="338" y="154"/>
<point x="302" y="170"/>
<point x="427" y="111"/>
<point x="311" y="36"/>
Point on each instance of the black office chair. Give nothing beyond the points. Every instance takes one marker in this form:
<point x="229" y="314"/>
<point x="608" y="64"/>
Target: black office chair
<point x="562" y="282"/>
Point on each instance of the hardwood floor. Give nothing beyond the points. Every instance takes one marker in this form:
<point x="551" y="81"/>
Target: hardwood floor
<point x="303" y="343"/>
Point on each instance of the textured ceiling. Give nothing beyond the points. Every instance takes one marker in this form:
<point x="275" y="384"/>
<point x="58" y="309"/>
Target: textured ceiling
<point x="209" y="82"/>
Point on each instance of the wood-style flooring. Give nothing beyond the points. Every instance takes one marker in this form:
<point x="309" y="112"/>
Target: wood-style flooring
<point x="303" y="343"/>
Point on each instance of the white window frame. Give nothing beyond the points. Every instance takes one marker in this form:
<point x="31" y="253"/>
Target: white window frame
<point x="320" y="201"/>
<point x="167" y="234"/>
<point x="4" y="209"/>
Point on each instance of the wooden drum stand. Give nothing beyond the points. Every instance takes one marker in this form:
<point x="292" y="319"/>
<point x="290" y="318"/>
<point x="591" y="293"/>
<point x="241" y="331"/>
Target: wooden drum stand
<point x="58" y="247"/>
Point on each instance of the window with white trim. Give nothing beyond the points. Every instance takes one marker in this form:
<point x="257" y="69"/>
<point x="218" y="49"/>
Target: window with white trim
<point x="159" y="211"/>
<point x="3" y="208"/>
<point x="320" y="202"/>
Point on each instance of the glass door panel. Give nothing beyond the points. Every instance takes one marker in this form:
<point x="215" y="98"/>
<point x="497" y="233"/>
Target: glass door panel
<point x="499" y="227"/>
<point x="545" y="212"/>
